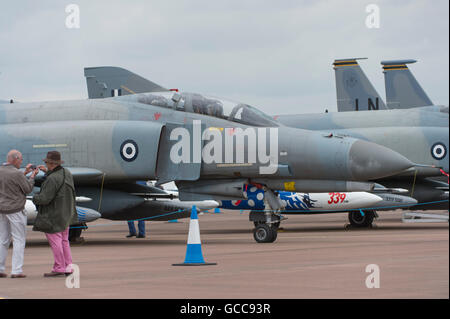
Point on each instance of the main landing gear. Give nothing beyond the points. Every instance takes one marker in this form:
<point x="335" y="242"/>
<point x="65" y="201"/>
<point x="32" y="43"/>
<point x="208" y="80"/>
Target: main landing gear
<point x="267" y="222"/>
<point x="362" y="219"/>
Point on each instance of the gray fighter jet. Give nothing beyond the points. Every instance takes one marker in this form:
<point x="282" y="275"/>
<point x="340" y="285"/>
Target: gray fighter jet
<point x="210" y="146"/>
<point x="420" y="134"/>
<point x="416" y="131"/>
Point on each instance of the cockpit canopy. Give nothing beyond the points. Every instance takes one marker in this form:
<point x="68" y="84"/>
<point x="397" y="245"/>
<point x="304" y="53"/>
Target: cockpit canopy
<point x="206" y="105"/>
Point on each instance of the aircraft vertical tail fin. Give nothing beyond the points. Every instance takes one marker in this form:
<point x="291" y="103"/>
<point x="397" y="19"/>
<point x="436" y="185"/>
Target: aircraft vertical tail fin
<point x="402" y="89"/>
<point x="353" y="89"/>
<point x="107" y="81"/>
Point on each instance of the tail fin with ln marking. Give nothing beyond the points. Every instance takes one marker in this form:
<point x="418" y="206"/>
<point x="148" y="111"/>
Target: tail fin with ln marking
<point x="353" y="89"/>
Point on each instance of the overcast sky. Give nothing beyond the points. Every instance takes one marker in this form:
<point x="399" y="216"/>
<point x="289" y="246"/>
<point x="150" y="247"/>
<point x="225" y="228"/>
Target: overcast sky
<point x="276" y="55"/>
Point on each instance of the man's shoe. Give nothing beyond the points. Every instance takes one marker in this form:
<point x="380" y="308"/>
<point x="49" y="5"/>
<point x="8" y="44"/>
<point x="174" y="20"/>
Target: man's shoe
<point x="131" y="235"/>
<point x="2" y="275"/>
<point x="54" y="274"/>
<point x="140" y="236"/>
<point x="68" y="273"/>
<point x="18" y="276"/>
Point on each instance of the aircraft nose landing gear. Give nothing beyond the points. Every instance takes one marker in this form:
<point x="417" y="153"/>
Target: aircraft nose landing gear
<point x="267" y="222"/>
<point x="264" y="233"/>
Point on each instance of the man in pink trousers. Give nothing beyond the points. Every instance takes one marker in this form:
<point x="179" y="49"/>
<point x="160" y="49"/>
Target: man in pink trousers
<point x="59" y="242"/>
<point x="56" y="212"/>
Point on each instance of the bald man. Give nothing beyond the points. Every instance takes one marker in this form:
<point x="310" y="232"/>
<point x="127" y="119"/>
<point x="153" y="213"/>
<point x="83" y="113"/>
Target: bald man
<point x="14" y="186"/>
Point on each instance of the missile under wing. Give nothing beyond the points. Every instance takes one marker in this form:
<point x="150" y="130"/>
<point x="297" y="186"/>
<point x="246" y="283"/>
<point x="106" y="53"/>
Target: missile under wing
<point x="85" y="215"/>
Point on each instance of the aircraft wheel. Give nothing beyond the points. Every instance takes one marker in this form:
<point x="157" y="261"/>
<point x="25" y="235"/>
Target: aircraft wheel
<point x="263" y="233"/>
<point x="359" y="220"/>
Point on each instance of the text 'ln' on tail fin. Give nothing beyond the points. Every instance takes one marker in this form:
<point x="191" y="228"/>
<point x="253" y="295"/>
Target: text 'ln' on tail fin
<point x="108" y="81"/>
<point x="402" y="89"/>
<point x="353" y="89"/>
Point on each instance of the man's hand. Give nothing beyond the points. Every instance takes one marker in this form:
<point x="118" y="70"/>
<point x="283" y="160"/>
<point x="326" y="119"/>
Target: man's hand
<point x="35" y="172"/>
<point x="28" y="169"/>
<point x="43" y="168"/>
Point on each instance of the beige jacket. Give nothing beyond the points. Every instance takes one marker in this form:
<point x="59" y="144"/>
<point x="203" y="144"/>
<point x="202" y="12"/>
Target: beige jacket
<point x="14" y="187"/>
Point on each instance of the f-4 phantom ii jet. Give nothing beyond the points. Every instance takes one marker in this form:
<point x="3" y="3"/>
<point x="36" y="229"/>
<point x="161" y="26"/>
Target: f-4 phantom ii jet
<point x="112" y="81"/>
<point x="211" y="147"/>
<point x="420" y="134"/>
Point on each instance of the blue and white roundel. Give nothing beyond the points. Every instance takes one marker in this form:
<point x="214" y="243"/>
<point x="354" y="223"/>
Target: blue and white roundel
<point x="438" y="151"/>
<point x="129" y="150"/>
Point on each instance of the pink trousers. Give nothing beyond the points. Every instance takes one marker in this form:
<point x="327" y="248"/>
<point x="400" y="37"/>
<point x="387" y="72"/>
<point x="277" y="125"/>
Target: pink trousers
<point x="59" y="242"/>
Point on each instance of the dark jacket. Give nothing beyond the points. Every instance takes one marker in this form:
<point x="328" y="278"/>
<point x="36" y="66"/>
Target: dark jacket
<point x="56" y="202"/>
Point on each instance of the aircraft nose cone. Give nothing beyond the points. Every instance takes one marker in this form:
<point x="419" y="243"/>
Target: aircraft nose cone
<point x="371" y="161"/>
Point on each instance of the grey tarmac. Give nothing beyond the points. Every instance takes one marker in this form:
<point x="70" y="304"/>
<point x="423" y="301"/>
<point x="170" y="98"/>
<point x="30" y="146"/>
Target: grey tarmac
<point x="314" y="257"/>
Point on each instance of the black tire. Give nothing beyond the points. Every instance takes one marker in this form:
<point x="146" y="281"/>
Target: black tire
<point x="263" y="233"/>
<point x="274" y="234"/>
<point x="356" y="219"/>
